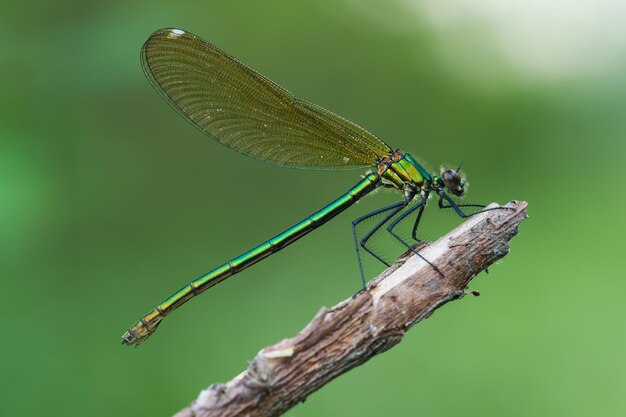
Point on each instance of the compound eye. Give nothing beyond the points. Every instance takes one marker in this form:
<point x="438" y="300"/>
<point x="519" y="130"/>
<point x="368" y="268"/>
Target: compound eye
<point x="451" y="178"/>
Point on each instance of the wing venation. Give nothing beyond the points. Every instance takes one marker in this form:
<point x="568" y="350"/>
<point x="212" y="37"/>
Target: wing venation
<point x="247" y="112"/>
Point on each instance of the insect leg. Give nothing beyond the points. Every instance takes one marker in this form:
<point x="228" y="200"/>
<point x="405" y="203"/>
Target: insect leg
<point x="394" y="208"/>
<point x="457" y="207"/>
<point x="418" y="218"/>
<point x="420" y="205"/>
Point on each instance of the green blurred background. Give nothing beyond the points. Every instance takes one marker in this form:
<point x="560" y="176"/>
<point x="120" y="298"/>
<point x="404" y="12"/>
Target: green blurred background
<point x="109" y="201"/>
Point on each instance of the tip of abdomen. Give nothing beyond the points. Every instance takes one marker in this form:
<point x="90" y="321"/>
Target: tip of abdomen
<point x="140" y="332"/>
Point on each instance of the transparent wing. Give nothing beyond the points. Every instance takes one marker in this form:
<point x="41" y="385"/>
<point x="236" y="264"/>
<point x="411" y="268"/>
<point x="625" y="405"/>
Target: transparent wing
<point x="249" y="113"/>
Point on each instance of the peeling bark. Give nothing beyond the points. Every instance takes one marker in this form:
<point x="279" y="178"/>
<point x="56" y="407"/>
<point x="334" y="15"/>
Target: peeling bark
<point x="369" y="323"/>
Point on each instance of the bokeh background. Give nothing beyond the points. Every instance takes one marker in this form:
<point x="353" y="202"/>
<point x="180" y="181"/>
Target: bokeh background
<point x="109" y="202"/>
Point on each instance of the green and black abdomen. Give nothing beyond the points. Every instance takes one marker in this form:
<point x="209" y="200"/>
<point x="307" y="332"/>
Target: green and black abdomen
<point x="143" y="328"/>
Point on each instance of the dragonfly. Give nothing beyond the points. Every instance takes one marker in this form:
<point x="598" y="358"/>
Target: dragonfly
<point x="245" y="111"/>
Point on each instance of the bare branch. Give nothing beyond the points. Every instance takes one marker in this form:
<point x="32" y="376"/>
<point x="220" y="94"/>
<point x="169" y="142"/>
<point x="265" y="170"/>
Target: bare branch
<point x="372" y="321"/>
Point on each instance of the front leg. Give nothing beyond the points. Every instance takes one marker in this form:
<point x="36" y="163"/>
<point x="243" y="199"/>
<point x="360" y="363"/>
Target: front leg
<point x="457" y="207"/>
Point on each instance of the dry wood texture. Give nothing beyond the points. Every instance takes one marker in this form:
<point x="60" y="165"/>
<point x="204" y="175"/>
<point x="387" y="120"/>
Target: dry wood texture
<point x="372" y="321"/>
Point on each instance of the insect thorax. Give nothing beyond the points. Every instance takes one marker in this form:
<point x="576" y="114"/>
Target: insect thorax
<point x="399" y="170"/>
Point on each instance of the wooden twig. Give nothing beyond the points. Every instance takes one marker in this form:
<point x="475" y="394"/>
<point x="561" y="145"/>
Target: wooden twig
<point x="369" y="323"/>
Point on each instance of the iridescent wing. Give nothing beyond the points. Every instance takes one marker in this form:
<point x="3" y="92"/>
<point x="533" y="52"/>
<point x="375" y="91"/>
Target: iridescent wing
<point x="247" y="112"/>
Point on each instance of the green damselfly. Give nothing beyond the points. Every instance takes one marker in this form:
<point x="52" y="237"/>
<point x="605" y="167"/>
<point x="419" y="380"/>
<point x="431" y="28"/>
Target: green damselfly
<point x="249" y="113"/>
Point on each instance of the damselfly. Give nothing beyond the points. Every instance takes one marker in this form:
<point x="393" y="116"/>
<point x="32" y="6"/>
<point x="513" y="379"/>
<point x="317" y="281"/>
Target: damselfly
<point x="247" y="112"/>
